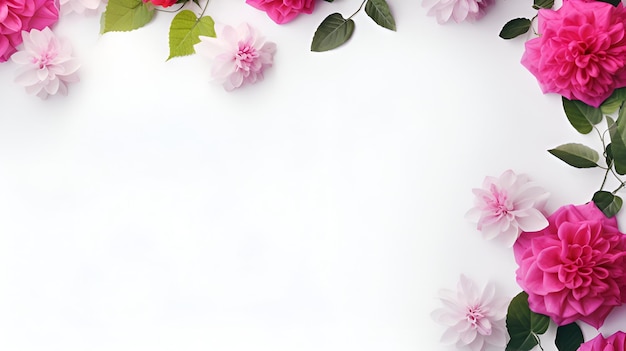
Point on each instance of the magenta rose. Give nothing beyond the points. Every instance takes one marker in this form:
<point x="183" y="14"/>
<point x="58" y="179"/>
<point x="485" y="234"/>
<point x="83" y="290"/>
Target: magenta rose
<point x="581" y="50"/>
<point x="574" y="269"/>
<point x="283" y="11"/>
<point x="615" y="342"/>
<point x="19" y="15"/>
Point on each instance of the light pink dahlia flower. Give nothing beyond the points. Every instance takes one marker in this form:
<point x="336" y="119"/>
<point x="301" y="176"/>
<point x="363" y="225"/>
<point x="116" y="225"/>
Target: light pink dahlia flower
<point x="47" y="64"/>
<point x="506" y="206"/>
<point x="458" y="10"/>
<point x="474" y="318"/>
<point x="240" y="55"/>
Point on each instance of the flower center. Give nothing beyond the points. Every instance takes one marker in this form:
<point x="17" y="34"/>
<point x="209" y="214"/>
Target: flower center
<point x="499" y="204"/>
<point x="476" y="317"/>
<point x="45" y="59"/>
<point x="246" y="56"/>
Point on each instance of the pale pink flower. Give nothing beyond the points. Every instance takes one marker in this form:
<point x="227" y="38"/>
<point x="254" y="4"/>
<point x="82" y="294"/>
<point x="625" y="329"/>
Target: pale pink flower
<point x="82" y="6"/>
<point x="474" y="318"/>
<point x="47" y="63"/>
<point x="239" y="55"/>
<point x="508" y="205"/>
<point x="458" y="10"/>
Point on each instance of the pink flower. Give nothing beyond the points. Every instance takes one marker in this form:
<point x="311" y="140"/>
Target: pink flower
<point x="19" y="15"/>
<point x="283" y="11"/>
<point x="162" y="3"/>
<point x="508" y="205"/>
<point x="575" y="268"/>
<point x="48" y="66"/>
<point x="81" y="6"/>
<point x="239" y="55"/>
<point x="615" y="342"/>
<point x="581" y="50"/>
<point x="458" y="10"/>
<point x="473" y="318"/>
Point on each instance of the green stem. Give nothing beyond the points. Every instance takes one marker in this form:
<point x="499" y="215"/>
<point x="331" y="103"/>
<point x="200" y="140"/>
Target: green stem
<point x="357" y="11"/>
<point x="606" y="174"/>
<point x="538" y="341"/>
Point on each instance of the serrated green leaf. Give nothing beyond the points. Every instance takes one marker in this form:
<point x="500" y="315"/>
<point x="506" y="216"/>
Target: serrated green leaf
<point x="569" y="337"/>
<point x="524" y="326"/>
<point x="613" y="102"/>
<point x="543" y="4"/>
<point x="126" y="15"/>
<point x="378" y="10"/>
<point x="514" y="28"/>
<point x="608" y="203"/>
<point x="576" y="155"/>
<point x="581" y="116"/>
<point x="185" y="32"/>
<point x="333" y="32"/>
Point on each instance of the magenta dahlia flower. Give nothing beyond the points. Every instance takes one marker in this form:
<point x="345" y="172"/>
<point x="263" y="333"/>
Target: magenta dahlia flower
<point x="581" y="50"/>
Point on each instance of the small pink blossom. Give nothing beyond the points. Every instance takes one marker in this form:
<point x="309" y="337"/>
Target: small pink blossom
<point x="615" y="342"/>
<point x="581" y="51"/>
<point x="283" y="11"/>
<point x="47" y="64"/>
<point x="23" y="15"/>
<point x="508" y="205"/>
<point x="474" y="318"/>
<point x="82" y="6"/>
<point x="240" y="56"/>
<point x="458" y="10"/>
<point x="574" y="269"/>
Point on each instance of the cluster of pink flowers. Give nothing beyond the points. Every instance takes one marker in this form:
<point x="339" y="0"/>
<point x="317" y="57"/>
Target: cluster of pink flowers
<point x="572" y="265"/>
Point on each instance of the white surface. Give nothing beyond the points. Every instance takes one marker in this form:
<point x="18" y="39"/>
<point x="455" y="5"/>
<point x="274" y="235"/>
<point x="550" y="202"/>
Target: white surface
<point x="321" y="209"/>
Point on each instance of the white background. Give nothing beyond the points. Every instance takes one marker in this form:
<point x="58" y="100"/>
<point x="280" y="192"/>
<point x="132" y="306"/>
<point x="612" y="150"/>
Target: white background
<point x="321" y="209"/>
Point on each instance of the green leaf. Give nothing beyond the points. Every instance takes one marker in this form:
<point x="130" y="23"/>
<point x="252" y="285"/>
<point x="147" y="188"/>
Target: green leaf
<point x="333" y="32"/>
<point x="612" y="2"/>
<point x="617" y="131"/>
<point x="543" y="4"/>
<point x="609" y="156"/>
<point x="569" y="337"/>
<point x="613" y="102"/>
<point x="524" y="326"/>
<point x="581" y="116"/>
<point x="514" y="28"/>
<point x="126" y="15"/>
<point x="576" y="155"/>
<point x="378" y="10"/>
<point x="185" y="32"/>
<point x="608" y="203"/>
